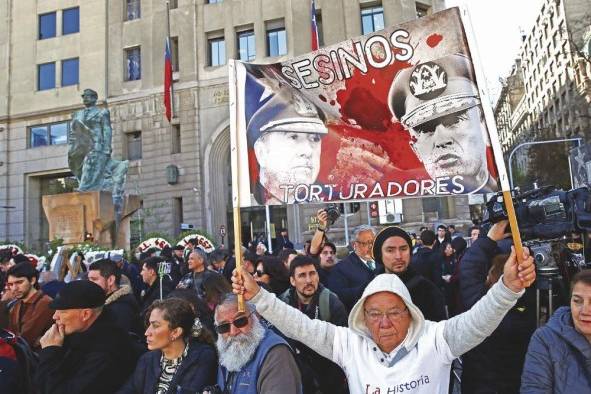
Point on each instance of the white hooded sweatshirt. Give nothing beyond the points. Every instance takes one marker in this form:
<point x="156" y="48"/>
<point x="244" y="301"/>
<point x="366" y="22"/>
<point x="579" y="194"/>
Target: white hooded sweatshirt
<point x="420" y="364"/>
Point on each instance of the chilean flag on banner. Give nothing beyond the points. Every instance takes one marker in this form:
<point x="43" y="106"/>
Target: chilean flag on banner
<point x="167" y="79"/>
<point x="314" y="27"/>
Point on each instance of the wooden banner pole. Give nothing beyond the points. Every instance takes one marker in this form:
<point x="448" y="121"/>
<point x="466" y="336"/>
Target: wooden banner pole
<point x="493" y="133"/>
<point x="508" y="200"/>
<point x="235" y="162"/>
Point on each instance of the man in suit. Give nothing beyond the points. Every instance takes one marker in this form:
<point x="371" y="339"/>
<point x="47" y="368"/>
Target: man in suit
<point x="349" y="278"/>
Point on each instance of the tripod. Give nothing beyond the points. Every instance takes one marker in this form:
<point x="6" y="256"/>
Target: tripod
<point x="546" y="281"/>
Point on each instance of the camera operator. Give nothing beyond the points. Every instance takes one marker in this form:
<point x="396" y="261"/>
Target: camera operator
<point x="496" y="364"/>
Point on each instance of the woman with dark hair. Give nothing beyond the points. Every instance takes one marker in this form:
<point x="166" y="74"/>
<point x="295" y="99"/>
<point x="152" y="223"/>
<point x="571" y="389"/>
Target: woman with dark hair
<point x="448" y="265"/>
<point x="181" y="359"/>
<point x="199" y="306"/>
<point x="272" y="274"/>
<point x="558" y="358"/>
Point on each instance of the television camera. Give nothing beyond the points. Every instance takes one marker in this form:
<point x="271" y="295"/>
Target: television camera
<point x="554" y="225"/>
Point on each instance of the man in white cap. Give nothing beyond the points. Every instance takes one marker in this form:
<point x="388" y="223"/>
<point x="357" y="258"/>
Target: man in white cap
<point x="285" y="134"/>
<point x="389" y="346"/>
<point x="439" y="104"/>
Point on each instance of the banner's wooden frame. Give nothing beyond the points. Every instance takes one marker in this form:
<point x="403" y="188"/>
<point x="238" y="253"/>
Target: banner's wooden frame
<point x="492" y="131"/>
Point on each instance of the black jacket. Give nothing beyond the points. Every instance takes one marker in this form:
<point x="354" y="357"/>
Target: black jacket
<point x="98" y="360"/>
<point x="318" y="373"/>
<point x="424" y="294"/>
<point x="152" y="293"/>
<point x="349" y="278"/>
<point x="427" y="262"/>
<point x="197" y="371"/>
<point x="496" y="364"/>
<point x="125" y="309"/>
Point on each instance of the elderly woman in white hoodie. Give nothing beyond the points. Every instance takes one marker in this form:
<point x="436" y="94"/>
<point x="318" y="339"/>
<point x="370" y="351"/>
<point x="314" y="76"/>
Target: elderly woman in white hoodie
<point x="389" y="347"/>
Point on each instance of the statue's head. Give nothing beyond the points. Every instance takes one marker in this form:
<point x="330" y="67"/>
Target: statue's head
<point x="89" y="97"/>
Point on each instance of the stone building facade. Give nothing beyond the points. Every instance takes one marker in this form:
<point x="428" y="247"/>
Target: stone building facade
<point x="546" y="96"/>
<point x="179" y="169"/>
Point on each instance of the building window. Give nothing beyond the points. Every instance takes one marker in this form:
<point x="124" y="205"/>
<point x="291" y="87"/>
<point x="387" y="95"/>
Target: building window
<point x="174" y="49"/>
<point x="133" y="143"/>
<point x="70" y="72"/>
<point x="422" y="10"/>
<point x="246" y="46"/>
<point x="134" y="10"/>
<point x="47" y="25"/>
<point x="71" y="21"/>
<point x="276" y="39"/>
<point x="372" y="19"/>
<point x="133" y="64"/>
<point x="177" y="214"/>
<point x="173" y="4"/>
<point x="175" y="140"/>
<point x="436" y="208"/>
<point x="46" y="76"/>
<point x="217" y="51"/>
<point x="214" y="1"/>
<point x="52" y="134"/>
<point x="319" y="29"/>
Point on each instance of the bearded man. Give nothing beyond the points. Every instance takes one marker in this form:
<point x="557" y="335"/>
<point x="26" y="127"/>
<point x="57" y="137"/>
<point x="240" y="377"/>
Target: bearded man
<point x="253" y="359"/>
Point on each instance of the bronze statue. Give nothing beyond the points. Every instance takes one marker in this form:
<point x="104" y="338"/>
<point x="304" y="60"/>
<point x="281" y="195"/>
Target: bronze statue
<point x="89" y="153"/>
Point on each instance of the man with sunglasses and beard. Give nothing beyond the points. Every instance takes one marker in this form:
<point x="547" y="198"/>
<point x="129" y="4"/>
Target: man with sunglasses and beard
<point x="253" y="359"/>
<point x="438" y="103"/>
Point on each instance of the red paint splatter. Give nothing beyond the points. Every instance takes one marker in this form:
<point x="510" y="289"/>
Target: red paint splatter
<point x="332" y="102"/>
<point x="434" y="39"/>
<point x="322" y="98"/>
<point x="365" y="115"/>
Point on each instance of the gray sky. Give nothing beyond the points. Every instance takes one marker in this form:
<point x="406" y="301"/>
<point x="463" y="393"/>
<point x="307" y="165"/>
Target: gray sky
<point x="497" y="30"/>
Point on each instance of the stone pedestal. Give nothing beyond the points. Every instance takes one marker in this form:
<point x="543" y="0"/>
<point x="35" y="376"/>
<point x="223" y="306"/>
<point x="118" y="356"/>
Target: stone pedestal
<point x="72" y="215"/>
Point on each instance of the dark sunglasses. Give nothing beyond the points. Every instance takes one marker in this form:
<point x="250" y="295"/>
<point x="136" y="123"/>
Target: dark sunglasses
<point x="259" y="273"/>
<point x="223" y="328"/>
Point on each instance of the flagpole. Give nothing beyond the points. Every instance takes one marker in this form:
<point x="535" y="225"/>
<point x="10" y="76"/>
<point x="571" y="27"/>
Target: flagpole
<point x="172" y="109"/>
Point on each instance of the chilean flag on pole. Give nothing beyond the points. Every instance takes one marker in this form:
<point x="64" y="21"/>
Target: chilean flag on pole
<point x="167" y="79"/>
<point x="314" y="27"/>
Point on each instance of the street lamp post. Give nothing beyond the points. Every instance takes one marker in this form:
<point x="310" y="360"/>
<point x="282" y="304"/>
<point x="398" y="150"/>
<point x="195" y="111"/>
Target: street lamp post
<point x="578" y="139"/>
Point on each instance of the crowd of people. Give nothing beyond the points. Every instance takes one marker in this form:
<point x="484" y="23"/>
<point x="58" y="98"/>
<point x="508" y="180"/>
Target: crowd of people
<point x="399" y="313"/>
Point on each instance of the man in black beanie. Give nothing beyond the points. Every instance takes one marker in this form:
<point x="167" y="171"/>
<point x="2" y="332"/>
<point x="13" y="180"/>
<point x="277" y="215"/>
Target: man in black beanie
<point x="392" y="248"/>
<point x="84" y="351"/>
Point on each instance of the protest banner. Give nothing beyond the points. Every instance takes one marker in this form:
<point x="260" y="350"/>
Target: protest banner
<point x="357" y="120"/>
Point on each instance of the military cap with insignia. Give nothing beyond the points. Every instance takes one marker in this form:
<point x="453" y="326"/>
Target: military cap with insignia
<point x="433" y="89"/>
<point x="79" y="294"/>
<point x="286" y="111"/>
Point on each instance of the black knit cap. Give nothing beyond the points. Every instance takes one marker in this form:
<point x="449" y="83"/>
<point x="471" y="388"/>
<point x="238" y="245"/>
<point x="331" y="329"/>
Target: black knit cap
<point x="79" y="294"/>
<point x="383" y="235"/>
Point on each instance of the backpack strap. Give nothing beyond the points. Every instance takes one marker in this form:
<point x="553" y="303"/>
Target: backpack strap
<point x="324" y="304"/>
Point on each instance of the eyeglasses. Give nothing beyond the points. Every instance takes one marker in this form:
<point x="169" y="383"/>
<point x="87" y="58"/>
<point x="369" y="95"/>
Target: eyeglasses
<point x="240" y="322"/>
<point x="259" y="273"/>
<point x="392" y="315"/>
<point x="367" y="243"/>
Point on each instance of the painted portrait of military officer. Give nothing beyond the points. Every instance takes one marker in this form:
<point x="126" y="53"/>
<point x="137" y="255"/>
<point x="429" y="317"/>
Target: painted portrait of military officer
<point x="286" y="137"/>
<point x="439" y="104"/>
